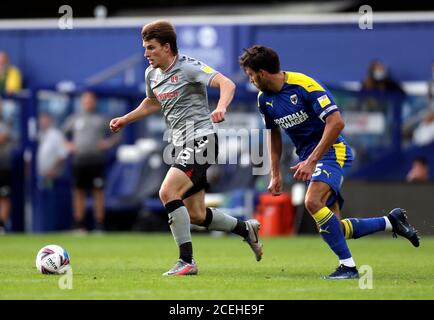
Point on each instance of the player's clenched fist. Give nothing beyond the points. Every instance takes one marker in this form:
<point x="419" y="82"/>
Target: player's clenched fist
<point x="117" y="124"/>
<point x="218" y="116"/>
<point x="275" y="186"/>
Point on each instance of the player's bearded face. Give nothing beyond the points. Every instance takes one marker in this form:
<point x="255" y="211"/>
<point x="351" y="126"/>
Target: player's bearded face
<point x="256" y="78"/>
<point x="261" y="84"/>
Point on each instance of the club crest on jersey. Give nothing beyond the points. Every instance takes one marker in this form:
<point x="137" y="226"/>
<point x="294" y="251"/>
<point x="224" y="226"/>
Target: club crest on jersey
<point x="294" y="99"/>
<point x="174" y="78"/>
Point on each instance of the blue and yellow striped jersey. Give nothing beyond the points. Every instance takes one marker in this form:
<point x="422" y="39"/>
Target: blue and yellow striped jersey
<point x="300" y="108"/>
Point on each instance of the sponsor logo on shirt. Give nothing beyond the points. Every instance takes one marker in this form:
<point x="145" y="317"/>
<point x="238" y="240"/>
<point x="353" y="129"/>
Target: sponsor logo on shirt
<point x="292" y="119"/>
<point x="324" y="101"/>
<point x="167" y="95"/>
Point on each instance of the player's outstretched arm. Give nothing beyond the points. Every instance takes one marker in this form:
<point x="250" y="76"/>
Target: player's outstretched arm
<point x="147" y="106"/>
<point x="274" y="141"/>
<point x="227" y="91"/>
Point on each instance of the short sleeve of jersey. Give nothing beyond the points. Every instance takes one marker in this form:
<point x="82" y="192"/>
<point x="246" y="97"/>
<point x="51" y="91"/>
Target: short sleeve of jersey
<point x="198" y="72"/>
<point x="268" y="122"/>
<point x="149" y="92"/>
<point x="322" y="103"/>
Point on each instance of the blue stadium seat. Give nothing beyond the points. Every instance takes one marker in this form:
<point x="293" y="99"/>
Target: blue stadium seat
<point x="128" y="184"/>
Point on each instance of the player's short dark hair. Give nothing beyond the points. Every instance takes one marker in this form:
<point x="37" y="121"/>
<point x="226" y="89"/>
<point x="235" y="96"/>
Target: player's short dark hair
<point x="260" y="57"/>
<point x="162" y="31"/>
<point x="421" y="159"/>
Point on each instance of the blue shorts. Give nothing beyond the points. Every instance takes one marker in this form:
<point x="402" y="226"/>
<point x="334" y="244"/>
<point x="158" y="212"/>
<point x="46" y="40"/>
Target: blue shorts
<point x="331" y="173"/>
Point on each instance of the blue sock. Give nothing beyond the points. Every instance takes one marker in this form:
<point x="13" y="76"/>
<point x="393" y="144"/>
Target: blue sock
<point x="357" y="228"/>
<point x="331" y="231"/>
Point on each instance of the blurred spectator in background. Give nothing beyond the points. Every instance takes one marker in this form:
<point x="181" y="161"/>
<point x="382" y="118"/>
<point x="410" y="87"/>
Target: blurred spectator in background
<point x="89" y="140"/>
<point x="10" y="76"/>
<point x="51" y="153"/>
<point x="5" y="171"/>
<point x="419" y="171"/>
<point x="424" y="132"/>
<point x="379" y="79"/>
<point x="431" y="89"/>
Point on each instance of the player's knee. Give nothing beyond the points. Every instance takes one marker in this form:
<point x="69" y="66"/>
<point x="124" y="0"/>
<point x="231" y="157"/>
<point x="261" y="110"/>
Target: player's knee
<point x="313" y="205"/>
<point x="167" y="195"/>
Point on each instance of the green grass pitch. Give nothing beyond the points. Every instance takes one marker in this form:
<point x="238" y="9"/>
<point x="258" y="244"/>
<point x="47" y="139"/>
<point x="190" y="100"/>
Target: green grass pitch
<point x="129" y="266"/>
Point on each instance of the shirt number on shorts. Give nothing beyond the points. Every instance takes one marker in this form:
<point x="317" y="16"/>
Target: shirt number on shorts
<point x="317" y="171"/>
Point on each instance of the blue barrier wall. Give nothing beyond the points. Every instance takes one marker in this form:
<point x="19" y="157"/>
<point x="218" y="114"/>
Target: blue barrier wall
<point x="330" y="52"/>
<point x="49" y="56"/>
<point x="336" y="53"/>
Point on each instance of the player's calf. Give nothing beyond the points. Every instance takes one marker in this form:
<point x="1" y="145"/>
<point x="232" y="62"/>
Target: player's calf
<point x="217" y="220"/>
<point x="396" y="221"/>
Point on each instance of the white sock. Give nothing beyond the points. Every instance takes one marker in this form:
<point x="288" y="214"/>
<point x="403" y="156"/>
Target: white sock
<point x="388" y="224"/>
<point x="348" y="262"/>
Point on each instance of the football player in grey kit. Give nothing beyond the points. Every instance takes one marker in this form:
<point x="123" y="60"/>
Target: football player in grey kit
<point x="176" y="85"/>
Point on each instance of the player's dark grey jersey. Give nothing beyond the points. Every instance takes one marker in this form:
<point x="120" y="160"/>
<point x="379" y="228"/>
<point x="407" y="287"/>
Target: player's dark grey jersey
<point x="181" y="91"/>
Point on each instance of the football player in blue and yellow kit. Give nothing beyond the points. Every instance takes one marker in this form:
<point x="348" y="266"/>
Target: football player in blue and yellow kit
<point x="306" y="111"/>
